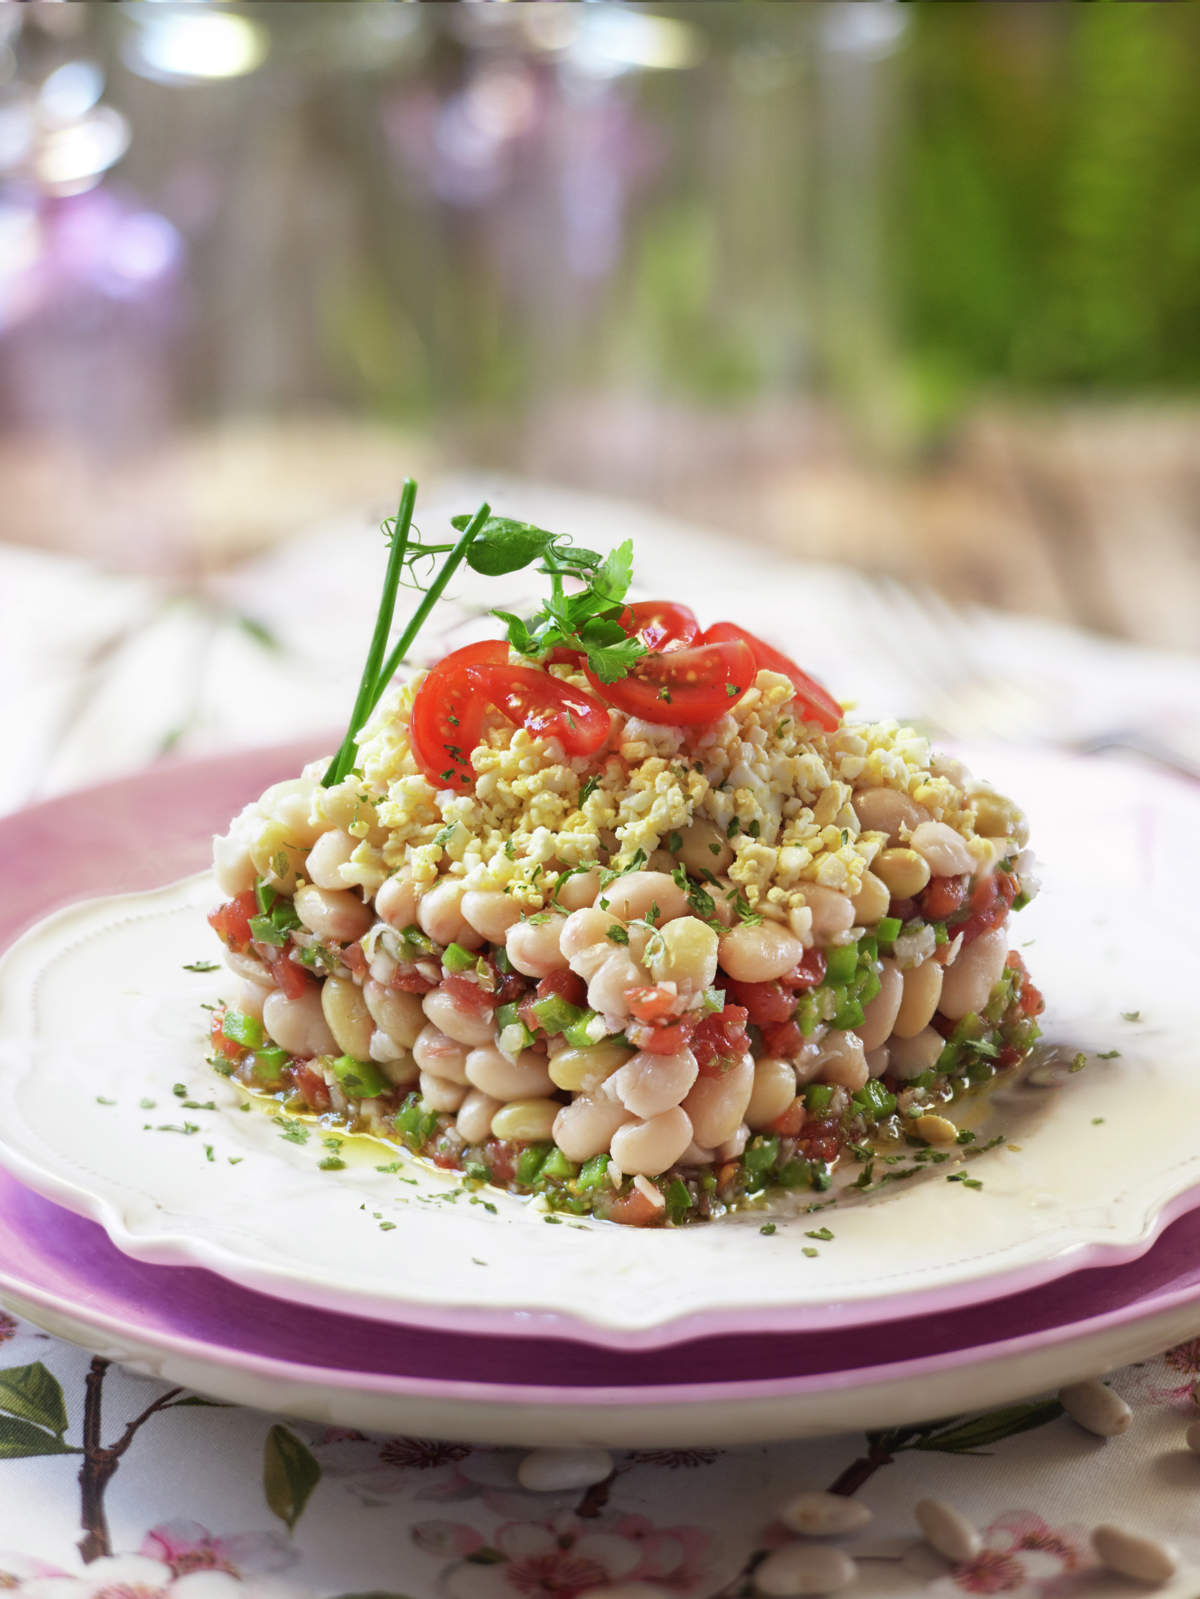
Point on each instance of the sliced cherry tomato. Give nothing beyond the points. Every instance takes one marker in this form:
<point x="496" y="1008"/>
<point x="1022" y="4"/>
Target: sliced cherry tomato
<point x="544" y="706"/>
<point x="651" y="1004"/>
<point x="500" y="1158"/>
<point x="683" y="687"/>
<point x="231" y="921"/>
<point x="447" y="715"/>
<point x="660" y="624"/>
<point x="817" y="703"/>
<point x="720" y="1041"/>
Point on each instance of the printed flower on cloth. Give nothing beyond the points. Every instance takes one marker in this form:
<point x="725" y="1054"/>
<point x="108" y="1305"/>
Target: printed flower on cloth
<point x="186" y="1546"/>
<point x="136" y="1577"/>
<point x="1023" y="1557"/>
<point x="1169" y="1380"/>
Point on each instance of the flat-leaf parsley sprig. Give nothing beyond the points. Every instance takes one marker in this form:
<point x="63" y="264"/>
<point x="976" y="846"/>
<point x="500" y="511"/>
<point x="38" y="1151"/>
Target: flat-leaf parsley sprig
<point x="586" y="620"/>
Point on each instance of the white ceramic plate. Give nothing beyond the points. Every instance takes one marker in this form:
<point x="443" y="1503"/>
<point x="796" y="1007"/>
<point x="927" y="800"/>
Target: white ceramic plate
<point x="96" y="1008"/>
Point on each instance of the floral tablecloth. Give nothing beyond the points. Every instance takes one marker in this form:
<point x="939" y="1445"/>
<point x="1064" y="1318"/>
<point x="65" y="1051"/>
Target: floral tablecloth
<point x="115" y="1487"/>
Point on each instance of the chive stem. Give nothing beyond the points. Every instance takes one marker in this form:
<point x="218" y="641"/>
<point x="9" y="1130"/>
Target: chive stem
<point x="367" y="689"/>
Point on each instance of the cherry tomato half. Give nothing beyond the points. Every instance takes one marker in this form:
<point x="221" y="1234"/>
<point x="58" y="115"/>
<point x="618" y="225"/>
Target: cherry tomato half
<point x="660" y="624"/>
<point x="683" y="687"/>
<point x="447" y="715"/>
<point x="817" y="703"/>
<point x="543" y="705"/>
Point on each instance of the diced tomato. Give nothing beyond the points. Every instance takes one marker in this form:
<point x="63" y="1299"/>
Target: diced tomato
<point x="808" y="972"/>
<point x="635" y="1210"/>
<point x="651" y="1004"/>
<point x="661" y="624"/>
<point x="666" y="1040"/>
<point x="821" y="1139"/>
<point x="544" y="706"/>
<point x="500" y="1157"/>
<point x="409" y="980"/>
<point x="791" y="1121"/>
<point x="784" y="1040"/>
<point x="720" y="1041"/>
<point x="222" y="1045"/>
<point x="311" y="1087"/>
<point x="447" y="715"/>
<point x="904" y="910"/>
<point x="468" y="995"/>
<point x="231" y="921"/>
<point x="565" y="984"/>
<point x="989" y="905"/>
<point x="764" y="1003"/>
<point x="503" y="987"/>
<point x="816" y="702"/>
<point x="293" y="980"/>
<point x="682" y="687"/>
<point x="942" y="897"/>
<point x="1030" y="1001"/>
<point x="355" y="957"/>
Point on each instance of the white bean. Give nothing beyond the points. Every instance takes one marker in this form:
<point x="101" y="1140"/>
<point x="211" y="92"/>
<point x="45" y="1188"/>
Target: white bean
<point x="440" y="914"/>
<point x="774" y="1090"/>
<point x="879" y="1016"/>
<point x="637" y="894"/>
<point x="877" y="1061"/>
<point x="974" y="974"/>
<point x="586" y="1126"/>
<point x="400" y="1070"/>
<point x="528" y="1121"/>
<point x="534" y="947"/>
<point x="843" y="1060"/>
<point x="832" y="913"/>
<point x="348" y="1017"/>
<point x="704" y="848"/>
<point x="327" y="856"/>
<point x="909" y="1057"/>
<point x="232" y="866"/>
<point x="871" y="902"/>
<point x="1143" y="1559"/>
<point x="290" y="803"/>
<point x="580" y="889"/>
<point x="396" y="902"/>
<point x="1096" y="1408"/>
<point x="475" y="1116"/>
<point x="490" y="912"/>
<point x="277" y="856"/>
<point x="583" y="1070"/>
<point x="440" y="1056"/>
<point x="439" y="1093"/>
<point x="650" y="1147"/>
<point x="399" y="1014"/>
<point x="947" y="1531"/>
<point x="921" y="993"/>
<point x="716" y="1106"/>
<point x="805" y="1568"/>
<point x="465" y="1026"/>
<point x="611" y="981"/>
<point x="757" y="954"/>
<point x="735" y="1145"/>
<point x="249" y="998"/>
<point x="250" y="968"/>
<point x="551" y="1470"/>
<point x="684" y="952"/>
<point x="298" y="1025"/>
<point x="504" y="1079"/>
<point x="332" y="913"/>
<point x="649" y="1084"/>
<point x="887" y="810"/>
<point x="822" y="1515"/>
<point x="944" y="849"/>
<point x="1192" y="1436"/>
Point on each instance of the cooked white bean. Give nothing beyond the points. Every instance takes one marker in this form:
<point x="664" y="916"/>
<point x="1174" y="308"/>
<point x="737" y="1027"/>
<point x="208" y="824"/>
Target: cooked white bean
<point x="399" y="1014"/>
<point x="586" y="930"/>
<point x="400" y="1069"/>
<point x="998" y="817"/>
<point x="277" y="856"/>
<point x="611" y="981"/>
<point x="1096" y="1408"/>
<point x="704" y="848"/>
<point x="805" y="1568"/>
<point x="586" y="1126"/>
<point x="527" y="1121"/>
<point x="298" y="1025"/>
<point x="693" y="1155"/>
<point x="871" y="902"/>
<point x="649" y="1084"/>
<point x="232" y="866"/>
<point x="843" y="1060"/>
<point x="290" y="804"/>
<point x="551" y="1470"/>
<point x="887" y="810"/>
<point x="470" y="1027"/>
<point x="637" y="894"/>
<point x="909" y="1057"/>
<point x="326" y="858"/>
<point x="757" y="954"/>
<point x="974" y="974"/>
<point x="504" y="1079"/>
<point x="944" y="849"/>
<point x="773" y="1092"/>
<point x="582" y="1070"/>
<point x="902" y="871"/>
<point x="580" y="889"/>
<point x="684" y="952"/>
<point x="879" y="1016"/>
<point x="717" y="1105"/>
<point x="1143" y="1559"/>
<point x="1192" y="1436"/>
<point x="250" y="968"/>
<point x="650" y="1147"/>
<point x="534" y="947"/>
<point x="735" y="1145"/>
<point x="475" y="1116"/>
<point x="821" y="1515"/>
<point x="348" y="1017"/>
<point x="947" y="1531"/>
<point x="877" y="1061"/>
<point x="922" y="992"/>
<point x="832" y="913"/>
<point x="332" y="913"/>
<point x="440" y="914"/>
<point x="396" y="902"/>
<point x="490" y="912"/>
<point x="439" y="1093"/>
<point x="440" y="1056"/>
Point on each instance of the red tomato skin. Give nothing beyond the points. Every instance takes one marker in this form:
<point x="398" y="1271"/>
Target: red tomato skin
<point x="942" y="897"/>
<point x="231" y="921"/>
<point x="543" y="705"/>
<point x="668" y="1040"/>
<point x="685" y="687"/>
<point x="410" y="981"/>
<point x="808" y="972"/>
<point x="720" y="1041"/>
<point x="791" y="1121"/>
<point x="293" y="980"/>
<point x="661" y="624"/>
<point x="311" y="1087"/>
<point x="989" y="905"/>
<point x="355" y="959"/>
<point x="784" y="1040"/>
<point x="765" y="1003"/>
<point x="816" y="701"/>
<point x="650" y="1004"/>
<point x="447" y="717"/>
<point x="635" y="1210"/>
<point x="469" y="996"/>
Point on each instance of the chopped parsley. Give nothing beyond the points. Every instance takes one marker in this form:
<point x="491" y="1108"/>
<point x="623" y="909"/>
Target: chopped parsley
<point x="202" y="966"/>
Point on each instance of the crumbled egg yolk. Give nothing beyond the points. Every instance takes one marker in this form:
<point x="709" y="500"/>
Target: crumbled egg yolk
<point x="777" y="789"/>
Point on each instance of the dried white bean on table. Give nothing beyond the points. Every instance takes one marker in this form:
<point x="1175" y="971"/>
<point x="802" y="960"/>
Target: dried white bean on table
<point x="947" y="1531"/>
<point x="545" y="1470"/>
<point x="1192" y="1437"/>
<point x="1143" y="1559"/>
<point x="822" y="1515"/>
<point x="805" y="1568"/>
<point x="1095" y="1408"/>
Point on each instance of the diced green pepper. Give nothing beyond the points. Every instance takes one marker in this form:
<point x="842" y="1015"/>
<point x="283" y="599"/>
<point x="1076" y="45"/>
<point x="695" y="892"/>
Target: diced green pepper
<point x="679" y="1199"/>
<point x="506" y="1015"/>
<point x="887" y="930"/>
<point x="807" y="1015"/>
<point x="868" y="947"/>
<point x="360" y="1078"/>
<point x="554" y="1013"/>
<point x="713" y="1001"/>
<point x="761" y="1154"/>
<point x="594" y="1173"/>
<point x="242" y="1029"/>
<point x="817" y="1097"/>
<point x="874" y="1100"/>
<point x="477" y="1172"/>
<point x="530" y="1162"/>
<point x="840" y="964"/>
<point x="457" y="959"/>
<point x="795" y="1173"/>
<point x="416" y="943"/>
<point x="588" y="1030"/>
<point x="848" y="1014"/>
<point x="267" y="1064"/>
<point x="264" y="895"/>
<point x="264" y="931"/>
<point x="868" y="986"/>
<point x="558" y="1167"/>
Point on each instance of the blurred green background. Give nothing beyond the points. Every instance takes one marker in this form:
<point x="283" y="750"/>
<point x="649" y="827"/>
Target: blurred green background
<point x="913" y="287"/>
